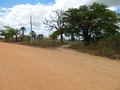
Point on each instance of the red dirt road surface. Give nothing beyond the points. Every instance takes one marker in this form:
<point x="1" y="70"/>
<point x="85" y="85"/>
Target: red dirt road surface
<point x="30" y="68"/>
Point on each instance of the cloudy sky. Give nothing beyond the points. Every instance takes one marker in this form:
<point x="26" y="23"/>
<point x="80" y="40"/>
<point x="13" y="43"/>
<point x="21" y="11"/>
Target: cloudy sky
<point x="16" y="13"/>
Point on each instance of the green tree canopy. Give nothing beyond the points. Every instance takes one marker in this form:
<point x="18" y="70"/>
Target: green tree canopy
<point x="40" y="36"/>
<point x="93" y="22"/>
<point x="8" y="32"/>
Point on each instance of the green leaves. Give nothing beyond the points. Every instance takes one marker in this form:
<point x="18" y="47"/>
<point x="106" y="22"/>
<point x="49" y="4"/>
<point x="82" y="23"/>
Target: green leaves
<point x="8" y="32"/>
<point x="93" y="21"/>
<point x="11" y="33"/>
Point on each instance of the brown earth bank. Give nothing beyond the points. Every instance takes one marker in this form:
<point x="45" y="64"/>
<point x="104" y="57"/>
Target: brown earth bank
<point x="30" y="68"/>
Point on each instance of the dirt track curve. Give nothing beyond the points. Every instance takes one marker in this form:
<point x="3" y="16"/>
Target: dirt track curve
<point x="30" y="68"/>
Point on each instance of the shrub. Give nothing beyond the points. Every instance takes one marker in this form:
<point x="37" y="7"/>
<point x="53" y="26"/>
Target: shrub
<point x="111" y="42"/>
<point x="106" y="52"/>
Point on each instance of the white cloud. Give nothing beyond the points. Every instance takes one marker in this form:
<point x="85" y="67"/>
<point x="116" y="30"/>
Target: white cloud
<point x="107" y="2"/>
<point x="113" y="8"/>
<point x="19" y="15"/>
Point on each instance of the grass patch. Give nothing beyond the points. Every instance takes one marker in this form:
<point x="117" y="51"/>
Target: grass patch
<point x="106" y="52"/>
<point x="96" y="49"/>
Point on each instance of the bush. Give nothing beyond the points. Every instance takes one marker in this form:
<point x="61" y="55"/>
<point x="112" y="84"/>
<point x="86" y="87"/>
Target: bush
<point x="106" y="52"/>
<point x="107" y="47"/>
<point x="82" y="48"/>
<point x="112" y="42"/>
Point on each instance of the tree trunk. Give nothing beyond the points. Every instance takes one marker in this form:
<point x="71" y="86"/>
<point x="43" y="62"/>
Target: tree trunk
<point x="87" y="38"/>
<point x="16" y="38"/>
<point x="61" y="35"/>
<point x="72" y="37"/>
<point x="87" y="42"/>
<point x="21" y="38"/>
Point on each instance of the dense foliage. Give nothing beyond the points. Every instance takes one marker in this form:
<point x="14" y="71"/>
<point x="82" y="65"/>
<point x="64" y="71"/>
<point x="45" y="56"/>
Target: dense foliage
<point x="92" y="23"/>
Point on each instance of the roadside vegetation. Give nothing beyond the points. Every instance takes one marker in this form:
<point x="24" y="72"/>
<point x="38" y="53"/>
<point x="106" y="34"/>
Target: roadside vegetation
<point x="91" y="28"/>
<point x="108" y="47"/>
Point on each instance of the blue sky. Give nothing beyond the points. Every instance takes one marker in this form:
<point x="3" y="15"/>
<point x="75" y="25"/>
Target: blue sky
<point x="11" y="3"/>
<point x="118" y="10"/>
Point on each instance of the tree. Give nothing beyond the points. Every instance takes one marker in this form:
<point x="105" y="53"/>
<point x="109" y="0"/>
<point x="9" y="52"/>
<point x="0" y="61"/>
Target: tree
<point x="33" y="34"/>
<point x="56" y="23"/>
<point x="54" y="35"/>
<point x="5" y="34"/>
<point x="8" y="32"/>
<point x="93" y="21"/>
<point x="17" y="32"/>
<point x="71" y="18"/>
<point x="105" y="21"/>
<point x="22" y="29"/>
<point x="40" y="36"/>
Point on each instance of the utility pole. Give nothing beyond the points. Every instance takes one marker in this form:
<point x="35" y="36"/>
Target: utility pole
<point x="31" y="28"/>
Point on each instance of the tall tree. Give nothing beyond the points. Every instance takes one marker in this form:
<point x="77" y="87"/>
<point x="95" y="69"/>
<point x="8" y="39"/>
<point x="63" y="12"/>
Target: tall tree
<point x="22" y="29"/>
<point x="105" y="21"/>
<point x="8" y="32"/>
<point x="40" y="36"/>
<point x="17" y="32"/>
<point x="56" y="23"/>
<point x="93" y="21"/>
<point x="71" y="18"/>
<point x="33" y="34"/>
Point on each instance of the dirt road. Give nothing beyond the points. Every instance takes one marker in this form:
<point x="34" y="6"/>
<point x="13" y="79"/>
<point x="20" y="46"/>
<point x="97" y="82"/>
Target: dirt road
<point x="30" y="68"/>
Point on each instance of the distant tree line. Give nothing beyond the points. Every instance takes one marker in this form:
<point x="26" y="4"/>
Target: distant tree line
<point x="90" y="23"/>
<point x="12" y="34"/>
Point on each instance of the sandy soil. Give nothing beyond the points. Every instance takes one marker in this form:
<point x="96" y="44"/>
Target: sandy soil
<point x="30" y="68"/>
